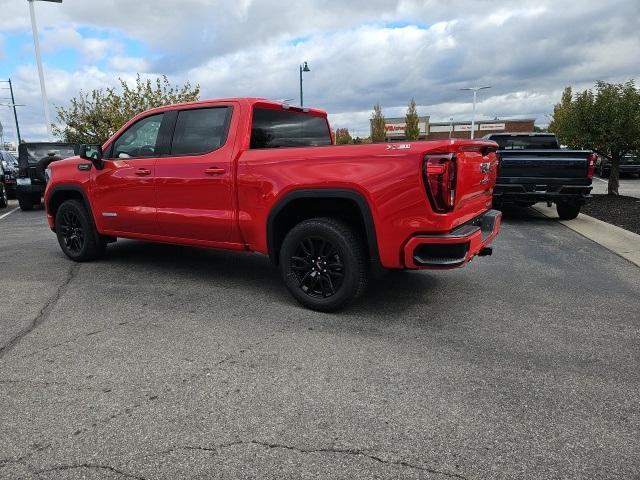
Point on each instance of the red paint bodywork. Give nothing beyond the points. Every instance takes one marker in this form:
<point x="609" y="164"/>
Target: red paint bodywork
<point x="174" y="199"/>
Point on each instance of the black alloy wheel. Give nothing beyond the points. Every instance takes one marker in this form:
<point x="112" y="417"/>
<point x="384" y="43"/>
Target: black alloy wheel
<point x="72" y="232"/>
<point x="317" y="264"/>
<point x="324" y="263"/>
<point x="76" y="234"/>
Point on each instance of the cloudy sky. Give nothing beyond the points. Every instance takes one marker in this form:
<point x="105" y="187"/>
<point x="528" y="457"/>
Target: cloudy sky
<point x="359" y="51"/>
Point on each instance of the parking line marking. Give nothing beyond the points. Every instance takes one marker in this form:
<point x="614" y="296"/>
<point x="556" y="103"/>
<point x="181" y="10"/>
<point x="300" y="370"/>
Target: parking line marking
<point x="9" y="213"/>
<point x="603" y="181"/>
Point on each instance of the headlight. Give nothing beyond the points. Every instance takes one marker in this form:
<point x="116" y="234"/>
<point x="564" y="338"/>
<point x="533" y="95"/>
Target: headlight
<point x="47" y="173"/>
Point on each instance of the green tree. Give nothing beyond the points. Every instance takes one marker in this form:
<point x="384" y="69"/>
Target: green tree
<point x="378" y="132"/>
<point x="411" y="120"/>
<point x="605" y="119"/>
<point x="93" y="117"/>
<point x="343" y="137"/>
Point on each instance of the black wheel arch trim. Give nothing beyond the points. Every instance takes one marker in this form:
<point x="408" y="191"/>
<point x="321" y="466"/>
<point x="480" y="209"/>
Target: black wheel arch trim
<point x="318" y="193"/>
<point x="85" y="199"/>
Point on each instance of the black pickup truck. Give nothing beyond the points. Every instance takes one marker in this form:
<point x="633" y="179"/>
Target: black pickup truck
<point x="533" y="168"/>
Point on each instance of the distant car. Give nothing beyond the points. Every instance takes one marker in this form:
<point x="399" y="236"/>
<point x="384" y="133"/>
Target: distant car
<point x="9" y="164"/>
<point x="33" y="160"/>
<point x="4" y="201"/>
<point x="629" y="164"/>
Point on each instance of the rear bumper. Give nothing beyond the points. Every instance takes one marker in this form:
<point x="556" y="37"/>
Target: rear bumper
<point x="542" y="189"/>
<point x="456" y="248"/>
<point x="32" y="189"/>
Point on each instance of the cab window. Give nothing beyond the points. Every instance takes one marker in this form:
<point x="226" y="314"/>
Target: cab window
<point x="140" y="139"/>
<point x="200" y="130"/>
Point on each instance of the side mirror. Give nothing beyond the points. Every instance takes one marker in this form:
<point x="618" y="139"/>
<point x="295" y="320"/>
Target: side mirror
<point x="93" y="153"/>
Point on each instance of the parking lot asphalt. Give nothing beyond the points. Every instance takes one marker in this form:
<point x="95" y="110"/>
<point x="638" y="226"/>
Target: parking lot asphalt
<point x="164" y="362"/>
<point x="629" y="186"/>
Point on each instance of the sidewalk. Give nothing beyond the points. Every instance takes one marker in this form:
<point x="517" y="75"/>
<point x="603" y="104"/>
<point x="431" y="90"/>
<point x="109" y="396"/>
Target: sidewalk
<point x="620" y="241"/>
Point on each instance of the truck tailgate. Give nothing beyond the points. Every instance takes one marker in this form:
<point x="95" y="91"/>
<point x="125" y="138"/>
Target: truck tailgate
<point x="543" y="163"/>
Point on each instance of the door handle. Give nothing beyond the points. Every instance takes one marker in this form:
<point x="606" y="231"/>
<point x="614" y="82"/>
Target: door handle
<point x="214" y="171"/>
<point x="143" y="171"/>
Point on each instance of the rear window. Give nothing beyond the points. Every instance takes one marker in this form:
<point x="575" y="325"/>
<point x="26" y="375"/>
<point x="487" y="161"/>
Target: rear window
<point x="286" y="128"/>
<point x="37" y="153"/>
<point x="526" y="142"/>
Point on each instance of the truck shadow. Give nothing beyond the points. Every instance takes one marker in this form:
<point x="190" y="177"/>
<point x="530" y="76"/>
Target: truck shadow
<point x="255" y="275"/>
<point x="515" y="215"/>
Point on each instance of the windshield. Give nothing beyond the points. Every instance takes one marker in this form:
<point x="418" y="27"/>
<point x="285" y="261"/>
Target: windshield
<point x="526" y="142"/>
<point x="37" y="153"/>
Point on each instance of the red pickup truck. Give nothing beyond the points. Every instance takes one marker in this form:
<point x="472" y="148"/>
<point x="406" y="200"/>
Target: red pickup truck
<point x="254" y="175"/>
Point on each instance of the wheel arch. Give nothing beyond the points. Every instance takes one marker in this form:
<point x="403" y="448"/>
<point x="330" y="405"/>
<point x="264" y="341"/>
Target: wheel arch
<point x="61" y="193"/>
<point x="300" y="205"/>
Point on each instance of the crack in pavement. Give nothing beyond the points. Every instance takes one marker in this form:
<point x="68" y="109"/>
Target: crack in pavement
<point x="340" y="451"/>
<point x="44" y="312"/>
<point x="61" y="468"/>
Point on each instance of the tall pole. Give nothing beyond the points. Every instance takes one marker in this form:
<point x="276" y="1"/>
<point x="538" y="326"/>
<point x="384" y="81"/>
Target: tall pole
<point x="475" y="98"/>
<point x="15" y="114"/>
<point x="36" y="44"/>
<point x="473" y="115"/>
<point x="301" y="101"/>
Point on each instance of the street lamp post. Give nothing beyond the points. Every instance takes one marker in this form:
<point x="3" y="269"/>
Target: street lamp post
<point x="303" y="68"/>
<point x="475" y="97"/>
<point x="36" y="44"/>
<point x="14" y="105"/>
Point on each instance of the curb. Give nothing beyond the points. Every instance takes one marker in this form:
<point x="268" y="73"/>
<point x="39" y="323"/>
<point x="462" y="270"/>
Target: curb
<point x="620" y="241"/>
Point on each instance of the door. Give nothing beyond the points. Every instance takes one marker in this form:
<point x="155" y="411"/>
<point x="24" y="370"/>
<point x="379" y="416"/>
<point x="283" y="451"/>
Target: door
<point x="124" y="190"/>
<point x="194" y="182"/>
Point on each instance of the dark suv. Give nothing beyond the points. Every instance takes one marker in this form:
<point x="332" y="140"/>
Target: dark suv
<point x="33" y="160"/>
<point x="9" y="165"/>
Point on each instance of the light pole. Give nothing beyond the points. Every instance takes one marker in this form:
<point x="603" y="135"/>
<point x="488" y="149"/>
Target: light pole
<point x="450" y="127"/>
<point x="36" y="44"/>
<point x="475" y="97"/>
<point x="14" y="105"/>
<point x="303" y="68"/>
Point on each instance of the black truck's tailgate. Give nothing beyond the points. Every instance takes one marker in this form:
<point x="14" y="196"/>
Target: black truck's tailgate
<point x="544" y="163"/>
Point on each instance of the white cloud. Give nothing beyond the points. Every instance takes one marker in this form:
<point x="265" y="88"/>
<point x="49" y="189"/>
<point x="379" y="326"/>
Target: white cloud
<point x="129" y="64"/>
<point x="359" y="52"/>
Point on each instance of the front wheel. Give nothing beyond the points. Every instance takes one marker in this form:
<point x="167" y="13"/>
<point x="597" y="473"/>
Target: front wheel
<point x="568" y="211"/>
<point x="323" y="264"/>
<point x="76" y="235"/>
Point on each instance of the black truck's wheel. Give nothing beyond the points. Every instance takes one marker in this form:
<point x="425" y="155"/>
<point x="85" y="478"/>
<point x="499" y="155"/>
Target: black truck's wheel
<point x="323" y="264"/>
<point x="25" y="201"/>
<point x="568" y="211"/>
<point x="76" y="235"/>
<point x="4" y="200"/>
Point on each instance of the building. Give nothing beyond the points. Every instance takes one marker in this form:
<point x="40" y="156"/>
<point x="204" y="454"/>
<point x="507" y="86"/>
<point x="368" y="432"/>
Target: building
<point x="443" y="130"/>
<point x="439" y="131"/>
<point x="395" y="128"/>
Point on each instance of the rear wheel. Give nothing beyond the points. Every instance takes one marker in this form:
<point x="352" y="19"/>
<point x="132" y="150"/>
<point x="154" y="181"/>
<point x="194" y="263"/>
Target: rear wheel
<point x="323" y="264"/>
<point x="76" y="235"/>
<point x="25" y="201"/>
<point x="568" y="211"/>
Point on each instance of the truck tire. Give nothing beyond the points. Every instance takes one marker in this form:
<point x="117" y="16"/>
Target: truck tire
<point x="76" y="235"/>
<point x="568" y="211"/>
<point x="4" y="200"/>
<point x="25" y="202"/>
<point x="323" y="264"/>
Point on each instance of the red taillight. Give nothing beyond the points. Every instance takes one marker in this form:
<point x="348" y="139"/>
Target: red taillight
<point x="591" y="168"/>
<point x="440" y="180"/>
